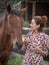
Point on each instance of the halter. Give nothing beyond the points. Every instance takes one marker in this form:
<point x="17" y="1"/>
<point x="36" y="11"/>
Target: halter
<point x="16" y="12"/>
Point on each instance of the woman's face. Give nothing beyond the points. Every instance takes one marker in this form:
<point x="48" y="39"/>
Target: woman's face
<point x="33" y="25"/>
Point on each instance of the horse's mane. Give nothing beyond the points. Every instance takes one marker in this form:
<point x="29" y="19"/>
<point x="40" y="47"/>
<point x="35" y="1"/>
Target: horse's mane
<point x="4" y="33"/>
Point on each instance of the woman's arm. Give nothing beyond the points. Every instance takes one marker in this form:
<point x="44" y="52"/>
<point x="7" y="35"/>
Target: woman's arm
<point x="43" y="53"/>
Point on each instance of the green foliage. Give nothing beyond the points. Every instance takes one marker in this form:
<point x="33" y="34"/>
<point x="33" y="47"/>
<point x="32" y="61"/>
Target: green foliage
<point x="16" y="59"/>
<point x="12" y="2"/>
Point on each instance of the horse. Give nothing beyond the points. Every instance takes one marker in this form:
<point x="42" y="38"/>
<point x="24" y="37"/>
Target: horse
<point x="10" y="30"/>
<point x="16" y="22"/>
<point x="6" y="43"/>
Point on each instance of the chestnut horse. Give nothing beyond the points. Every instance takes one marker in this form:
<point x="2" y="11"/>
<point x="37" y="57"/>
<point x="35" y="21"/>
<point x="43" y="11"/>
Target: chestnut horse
<point x="16" y="21"/>
<point x="10" y="29"/>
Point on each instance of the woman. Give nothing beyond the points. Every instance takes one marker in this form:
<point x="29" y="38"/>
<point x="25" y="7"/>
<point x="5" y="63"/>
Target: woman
<point x="36" y="43"/>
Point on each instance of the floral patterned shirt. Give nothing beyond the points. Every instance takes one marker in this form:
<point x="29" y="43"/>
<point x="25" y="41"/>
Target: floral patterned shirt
<point x="33" y="57"/>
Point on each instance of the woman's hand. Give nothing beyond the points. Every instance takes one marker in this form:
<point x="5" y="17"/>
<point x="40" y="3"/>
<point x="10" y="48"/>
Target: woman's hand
<point x="35" y="47"/>
<point x="40" y="51"/>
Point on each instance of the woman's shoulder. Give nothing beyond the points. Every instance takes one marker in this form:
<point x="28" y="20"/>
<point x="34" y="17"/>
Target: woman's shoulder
<point x="44" y="35"/>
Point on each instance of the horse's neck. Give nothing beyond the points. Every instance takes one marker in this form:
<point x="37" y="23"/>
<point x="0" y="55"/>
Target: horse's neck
<point x="4" y="30"/>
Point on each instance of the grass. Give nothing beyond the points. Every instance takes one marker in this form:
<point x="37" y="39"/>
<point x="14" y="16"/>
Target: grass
<point x="16" y="59"/>
<point x="46" y="63"/>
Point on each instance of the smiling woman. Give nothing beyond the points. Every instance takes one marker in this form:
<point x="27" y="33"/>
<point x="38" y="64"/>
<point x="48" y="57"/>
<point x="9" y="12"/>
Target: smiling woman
<point x="36" y="43"/>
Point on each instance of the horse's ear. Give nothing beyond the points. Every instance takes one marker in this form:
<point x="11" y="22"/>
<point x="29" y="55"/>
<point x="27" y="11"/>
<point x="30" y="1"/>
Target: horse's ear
<point x="9" y="8"/>
<point x="23" y="10"/>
